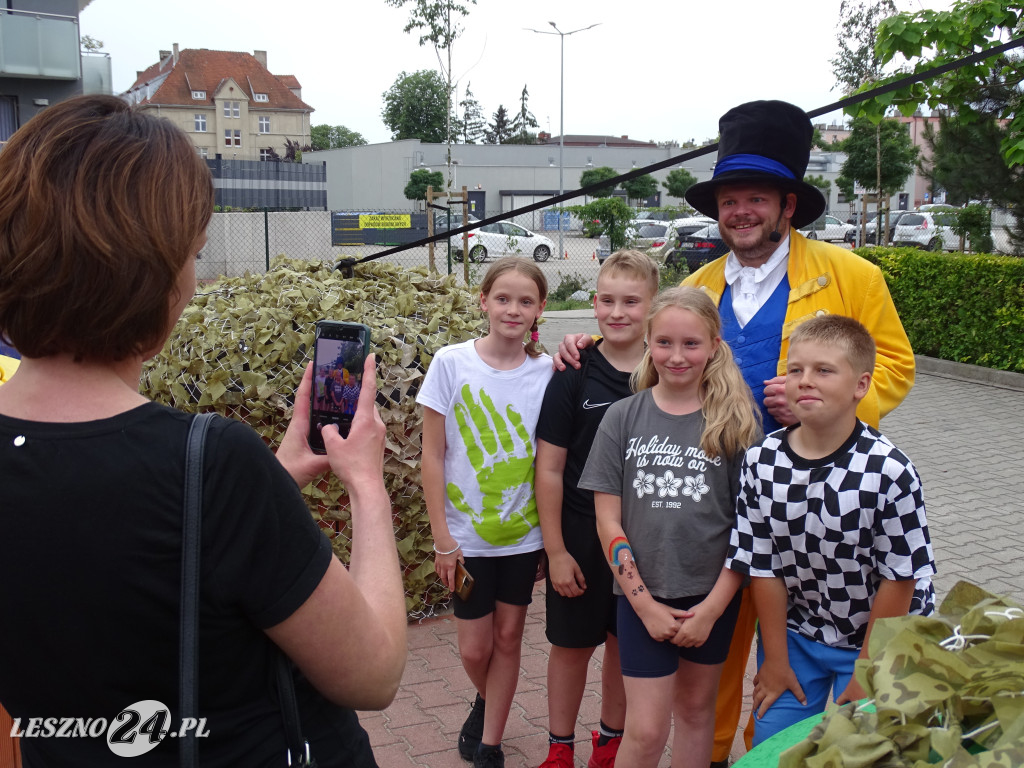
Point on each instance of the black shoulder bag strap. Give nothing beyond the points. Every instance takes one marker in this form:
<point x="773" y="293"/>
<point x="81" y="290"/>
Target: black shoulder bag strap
<point x="188" y="691"/>
<point x="298" y="748"/>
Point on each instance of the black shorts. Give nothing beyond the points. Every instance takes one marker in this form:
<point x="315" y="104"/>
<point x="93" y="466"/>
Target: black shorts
<point x="506" y="578"/>
<point x="584" y="621"/>
<point x="642" y="656"/>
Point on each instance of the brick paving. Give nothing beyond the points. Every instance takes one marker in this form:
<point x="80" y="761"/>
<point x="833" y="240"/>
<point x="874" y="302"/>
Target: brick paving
<point x="962" y="435"/>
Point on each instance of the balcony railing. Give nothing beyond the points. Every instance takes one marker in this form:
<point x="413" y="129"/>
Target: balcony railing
<point x="42" y="45"/>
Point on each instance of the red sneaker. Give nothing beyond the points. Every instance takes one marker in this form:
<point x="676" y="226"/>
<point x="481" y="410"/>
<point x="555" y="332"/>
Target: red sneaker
<point x="603" y="757"/>
<point x="559" y="756"/>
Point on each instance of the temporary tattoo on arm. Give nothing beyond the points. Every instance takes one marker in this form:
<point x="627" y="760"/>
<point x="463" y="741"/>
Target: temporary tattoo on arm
<point x="618" y="548"/>
<point x="638" y="590"/>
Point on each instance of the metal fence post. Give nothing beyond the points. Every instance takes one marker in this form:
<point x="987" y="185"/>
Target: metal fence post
<point x="266" y="236"/>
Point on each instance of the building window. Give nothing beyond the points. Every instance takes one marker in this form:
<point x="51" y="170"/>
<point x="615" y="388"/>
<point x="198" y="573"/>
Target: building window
<point x="264" y="125"/>
<point x="232" y="138"/>
<point x="203" y="152"/>
<point x="200" y="123"/>
<point x="198" y="95"/>
<point x="231" y="109"/>
<point x="266" y="155"/>
<point x="261" y="97"/>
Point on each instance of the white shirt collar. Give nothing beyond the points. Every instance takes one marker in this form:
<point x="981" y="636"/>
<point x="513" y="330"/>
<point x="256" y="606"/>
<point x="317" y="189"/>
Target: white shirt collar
<point x="733" y="268"/>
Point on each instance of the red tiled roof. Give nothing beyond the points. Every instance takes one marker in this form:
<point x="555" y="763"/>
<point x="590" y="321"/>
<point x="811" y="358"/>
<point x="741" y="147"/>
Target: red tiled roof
<point x="206" y="70"/>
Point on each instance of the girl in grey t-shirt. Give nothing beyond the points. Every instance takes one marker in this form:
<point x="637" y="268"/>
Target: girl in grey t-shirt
<point x="664" y="469"/>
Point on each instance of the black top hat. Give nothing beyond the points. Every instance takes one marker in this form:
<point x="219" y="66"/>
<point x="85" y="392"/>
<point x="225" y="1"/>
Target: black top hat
<point x="763" y="141"/>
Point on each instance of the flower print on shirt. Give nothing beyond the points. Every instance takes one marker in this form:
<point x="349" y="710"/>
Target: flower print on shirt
<point x="644" y="483"/>
<point x="668" y="485"/>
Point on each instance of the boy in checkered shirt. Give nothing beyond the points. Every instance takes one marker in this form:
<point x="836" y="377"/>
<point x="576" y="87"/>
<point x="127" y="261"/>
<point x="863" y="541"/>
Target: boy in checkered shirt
<point x="830" y="527"/>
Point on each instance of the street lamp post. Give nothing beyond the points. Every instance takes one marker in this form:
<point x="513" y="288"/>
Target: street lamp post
<point x="561" y="115"/>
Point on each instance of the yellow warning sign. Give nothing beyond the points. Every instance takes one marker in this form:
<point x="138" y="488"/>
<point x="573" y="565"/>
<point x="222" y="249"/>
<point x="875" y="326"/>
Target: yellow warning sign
<point x="384" y="221"/>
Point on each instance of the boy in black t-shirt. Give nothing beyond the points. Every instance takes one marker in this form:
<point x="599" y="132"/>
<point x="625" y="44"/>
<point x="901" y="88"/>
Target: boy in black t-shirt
<point x="580" y="604"/>
<point x="830" y="527"/>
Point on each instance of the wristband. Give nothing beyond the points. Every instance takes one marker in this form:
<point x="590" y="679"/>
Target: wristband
<point x="449" y="552"/>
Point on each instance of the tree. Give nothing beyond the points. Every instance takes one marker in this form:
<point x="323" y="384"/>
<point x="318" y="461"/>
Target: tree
<point x="523" y="121"/>
<point x="989" y="89"/>
<point x="415" y="107"/>
<point x="437" y="22"/>
<point x="857" y="62"/>
<point x="500" y="129"/>
<point x="333" y="136"/>
<point x="474" y="127"/>
<point x="858" y="65"/>
<point x="678" y="181"/>
<point x="983" y="100"/>
<point x="596" y="176"/>
<point x="820" y="182"/>
<point x="613" y="215"/>
<point x="641" y="187"/>
<point x="419" y="180"/>
<point x="896" y="159"/>
<point x="90" y="43"/>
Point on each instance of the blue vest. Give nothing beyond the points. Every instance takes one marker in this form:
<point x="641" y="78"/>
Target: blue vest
<point x="756" y="345"/>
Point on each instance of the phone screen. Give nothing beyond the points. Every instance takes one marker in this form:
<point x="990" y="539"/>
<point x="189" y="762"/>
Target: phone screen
<point x="339" y="353"/>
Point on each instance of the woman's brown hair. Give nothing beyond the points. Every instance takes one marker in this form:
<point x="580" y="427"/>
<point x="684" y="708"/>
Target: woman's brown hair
<point x="100" y="208"/>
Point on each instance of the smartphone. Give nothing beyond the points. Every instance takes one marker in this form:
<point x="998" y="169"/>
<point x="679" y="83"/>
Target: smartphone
<point x="339" y="352"/>
<point x="463" y="581"/>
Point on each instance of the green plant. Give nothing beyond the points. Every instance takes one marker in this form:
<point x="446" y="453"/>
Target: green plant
<point x="670" y="277"/>
<point x="963" y="307"/>
<point x="241" y="345"/>
<point x="974" y="224"/>
<point x="568" y="284"/>
<point x="613" y="214"/>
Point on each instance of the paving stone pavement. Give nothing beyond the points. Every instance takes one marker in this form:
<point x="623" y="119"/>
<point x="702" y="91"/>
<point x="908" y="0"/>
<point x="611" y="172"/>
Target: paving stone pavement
<point x="963" y="436"/>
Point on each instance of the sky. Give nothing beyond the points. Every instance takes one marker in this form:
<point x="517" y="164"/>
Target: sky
<point x="667" y="71"/>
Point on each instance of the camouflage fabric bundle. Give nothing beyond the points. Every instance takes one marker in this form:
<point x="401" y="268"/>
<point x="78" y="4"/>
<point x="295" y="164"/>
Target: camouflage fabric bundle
<point x="947" y="690"/>
<point x="241" y="345"/>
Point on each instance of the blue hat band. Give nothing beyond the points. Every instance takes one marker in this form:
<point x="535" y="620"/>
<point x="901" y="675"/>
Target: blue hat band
<point x="752" y="163"/>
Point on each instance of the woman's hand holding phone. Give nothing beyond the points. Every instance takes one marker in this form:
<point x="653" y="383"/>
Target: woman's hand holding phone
<point x="294" y="452"/>
<point x="359" y="458"/>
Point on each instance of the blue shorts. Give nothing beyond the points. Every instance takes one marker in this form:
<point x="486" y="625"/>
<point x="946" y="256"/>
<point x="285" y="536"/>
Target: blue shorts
<point x="819" y="669"/>
<point x="642" y="656"/>
<point x="506" y="578"/>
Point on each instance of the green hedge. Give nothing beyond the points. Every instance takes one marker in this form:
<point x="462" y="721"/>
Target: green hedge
<point x="963" y="307"/>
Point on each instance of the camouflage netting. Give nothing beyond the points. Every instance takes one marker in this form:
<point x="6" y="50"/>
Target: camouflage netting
<point x="241" y="345"/>
<point x="947" y="690"/>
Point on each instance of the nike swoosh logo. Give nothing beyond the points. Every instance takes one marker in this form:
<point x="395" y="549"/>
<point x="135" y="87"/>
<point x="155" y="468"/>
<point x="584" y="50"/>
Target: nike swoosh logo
<point x="588" y="405"/>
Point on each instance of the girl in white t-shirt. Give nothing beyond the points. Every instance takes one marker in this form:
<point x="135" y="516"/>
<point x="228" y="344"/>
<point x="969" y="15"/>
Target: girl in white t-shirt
<point x="481" y="402"/>
<point x="664" y="469"/>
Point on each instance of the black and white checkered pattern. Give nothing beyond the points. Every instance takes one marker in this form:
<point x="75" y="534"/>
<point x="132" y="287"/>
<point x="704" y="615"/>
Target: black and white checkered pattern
<point x="833" y="528"/>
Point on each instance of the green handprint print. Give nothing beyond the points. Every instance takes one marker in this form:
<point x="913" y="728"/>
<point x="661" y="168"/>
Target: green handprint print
<point x="505" y="483"/>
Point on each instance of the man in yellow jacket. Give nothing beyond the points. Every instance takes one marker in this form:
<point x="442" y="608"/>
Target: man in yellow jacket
<point x="773" y="279"/>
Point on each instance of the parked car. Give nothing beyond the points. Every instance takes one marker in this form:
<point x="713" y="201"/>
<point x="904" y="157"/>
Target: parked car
<point x="503" y="237"/>
<point x="826" y="228"/>
<point x="656" y="240"/>
<point x="930" y="230"/>
<point x="698" y="248"/>
<point x="441" y="221"/>
<point x="871" y="235"/>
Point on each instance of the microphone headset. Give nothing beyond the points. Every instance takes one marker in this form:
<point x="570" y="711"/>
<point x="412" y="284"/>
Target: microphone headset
<point x="776" y="236"/>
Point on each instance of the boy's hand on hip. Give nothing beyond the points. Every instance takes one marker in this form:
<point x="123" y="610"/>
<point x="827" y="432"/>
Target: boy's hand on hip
<point x="852" y="692"/>
<point x="771" y="681"/>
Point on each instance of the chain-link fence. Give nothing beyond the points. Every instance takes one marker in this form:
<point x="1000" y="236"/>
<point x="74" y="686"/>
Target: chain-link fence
<point x="245" y="242"/>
